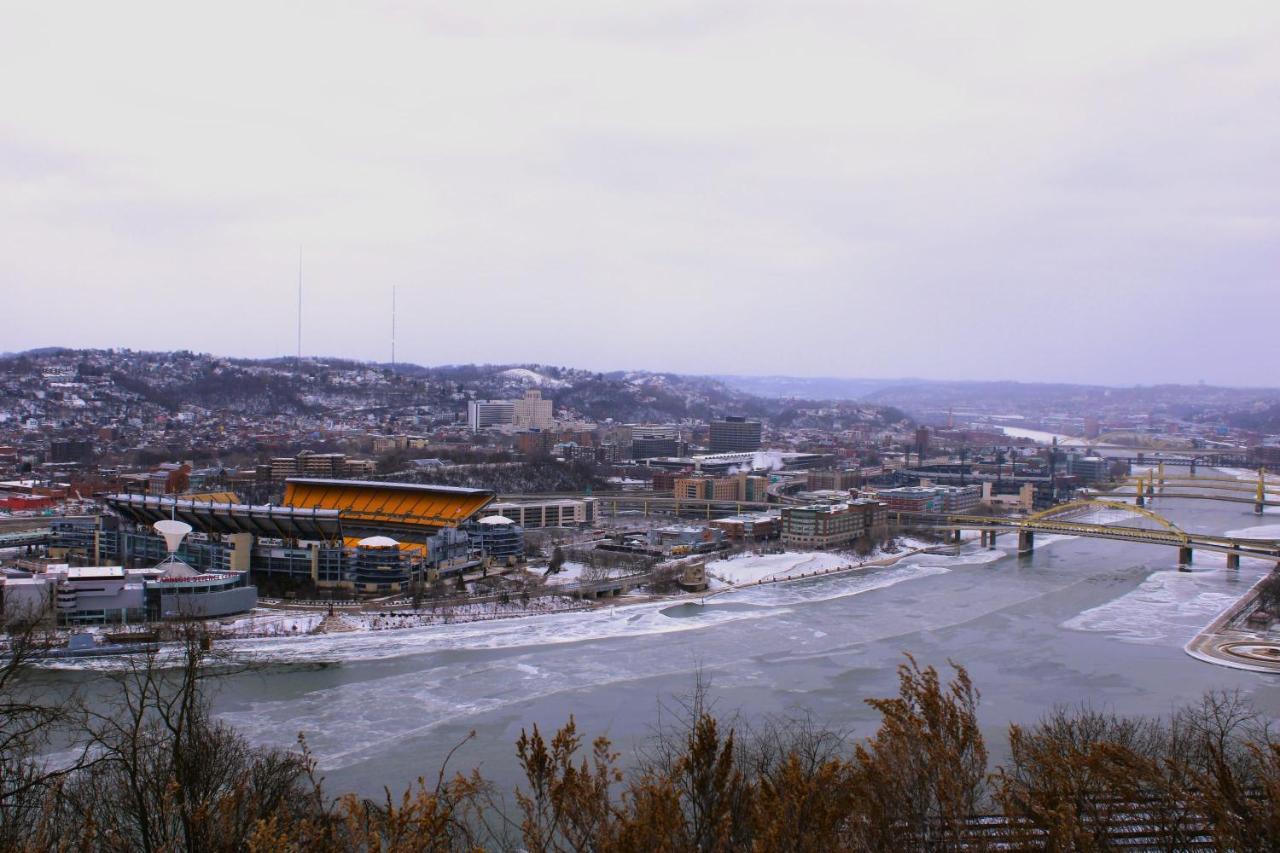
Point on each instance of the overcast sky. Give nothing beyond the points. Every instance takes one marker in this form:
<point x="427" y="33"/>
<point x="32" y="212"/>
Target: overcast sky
<point x="949" y="190"/>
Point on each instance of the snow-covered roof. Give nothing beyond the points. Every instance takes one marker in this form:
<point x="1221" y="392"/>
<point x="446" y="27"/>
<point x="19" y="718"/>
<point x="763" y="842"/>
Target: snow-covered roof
<point x="94" y="572"/>
<point x="378" y="542"/>
<point x="496" y="519"/>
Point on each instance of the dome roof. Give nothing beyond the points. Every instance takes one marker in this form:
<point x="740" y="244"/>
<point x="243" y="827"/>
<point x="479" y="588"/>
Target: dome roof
<point x="378" y="542"/>
<point x="496" y="519"/>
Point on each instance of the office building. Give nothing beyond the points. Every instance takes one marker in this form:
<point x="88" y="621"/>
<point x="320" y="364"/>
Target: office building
<point x="735" y="487"/>
<point x="1090" y="469"/>
<point x="735" y="435"/>
<point x="823" y="526"/>
<point x="948" y="499"/>
<point x="832" y="480"/>
<point x="484" y="414"/>
<point x="651" y="441"/>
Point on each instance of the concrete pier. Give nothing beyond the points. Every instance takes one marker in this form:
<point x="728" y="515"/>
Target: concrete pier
<point x="1184" y="556"/>
<point x="1026" y="541"/>
<point x="1233" y="561"/>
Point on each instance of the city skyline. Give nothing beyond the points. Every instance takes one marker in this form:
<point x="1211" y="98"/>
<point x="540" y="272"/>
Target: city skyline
<point x="1071" y="195"/>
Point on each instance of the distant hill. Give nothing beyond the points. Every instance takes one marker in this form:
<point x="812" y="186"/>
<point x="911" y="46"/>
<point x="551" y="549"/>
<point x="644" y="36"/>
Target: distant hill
<point x="809" y="387"/>
<point x="170" y="380"/>
<point x="912" y="396"/>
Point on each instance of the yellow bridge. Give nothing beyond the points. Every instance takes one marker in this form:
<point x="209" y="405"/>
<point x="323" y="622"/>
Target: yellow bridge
<point x="1262" y="493"/>
<point x="1065" y="520"/>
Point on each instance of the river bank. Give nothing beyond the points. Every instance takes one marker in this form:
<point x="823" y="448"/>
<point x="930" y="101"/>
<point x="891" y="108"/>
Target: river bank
<point x="1229" y="641"/>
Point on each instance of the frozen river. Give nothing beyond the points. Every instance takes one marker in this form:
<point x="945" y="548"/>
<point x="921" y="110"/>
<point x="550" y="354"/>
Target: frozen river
<point x="1079" y="620"/>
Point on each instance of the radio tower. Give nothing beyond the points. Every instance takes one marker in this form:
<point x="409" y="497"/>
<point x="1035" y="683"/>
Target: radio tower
<point x="393" y="326"/>
<point x="299" y="303"/>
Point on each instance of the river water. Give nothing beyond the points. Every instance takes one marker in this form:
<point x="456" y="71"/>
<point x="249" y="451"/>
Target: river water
<point x="1079" y="620"/>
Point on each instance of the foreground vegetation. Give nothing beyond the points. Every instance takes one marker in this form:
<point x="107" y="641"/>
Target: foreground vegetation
<point x="152" y="770"/>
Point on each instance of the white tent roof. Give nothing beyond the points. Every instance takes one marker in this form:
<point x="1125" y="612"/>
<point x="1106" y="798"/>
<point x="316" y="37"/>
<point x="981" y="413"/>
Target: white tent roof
<point x="378" y="542"/>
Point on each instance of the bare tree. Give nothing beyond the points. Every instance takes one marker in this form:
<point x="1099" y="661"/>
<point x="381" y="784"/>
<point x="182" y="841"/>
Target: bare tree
<point x="33" y="716"/>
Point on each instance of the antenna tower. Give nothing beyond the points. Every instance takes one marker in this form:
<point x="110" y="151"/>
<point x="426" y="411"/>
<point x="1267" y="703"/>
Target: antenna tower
<point x="299" y="303"/>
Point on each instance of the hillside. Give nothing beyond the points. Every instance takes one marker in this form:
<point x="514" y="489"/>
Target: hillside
<point x="173" y="381"/>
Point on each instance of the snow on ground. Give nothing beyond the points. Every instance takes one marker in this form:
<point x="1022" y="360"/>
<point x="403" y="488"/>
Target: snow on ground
<point x="461" y="613"/>
<point x="262" y="623"/>
<point x="753" y="568"/>
<point x="532" y="377"/>
<point x="266" y="623"/>
<point x="571" y="572"/>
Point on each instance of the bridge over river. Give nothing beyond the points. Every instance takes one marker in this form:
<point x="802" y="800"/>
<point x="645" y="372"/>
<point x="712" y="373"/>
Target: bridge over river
<point x="1066" y="520"/>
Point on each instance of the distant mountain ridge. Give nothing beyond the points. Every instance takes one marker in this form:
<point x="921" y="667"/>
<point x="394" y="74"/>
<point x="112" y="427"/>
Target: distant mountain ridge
<point x="314" y="384"/>
<point x="809" y="387"/>
<point x="1251" y="407"/>
<point x="172" y="380"/>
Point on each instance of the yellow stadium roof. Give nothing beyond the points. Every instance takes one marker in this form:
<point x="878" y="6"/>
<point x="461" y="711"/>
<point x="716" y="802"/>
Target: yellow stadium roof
<point x="388" y="504"/>
<point x="415" y="547"/>
<point x="211" y="497"/>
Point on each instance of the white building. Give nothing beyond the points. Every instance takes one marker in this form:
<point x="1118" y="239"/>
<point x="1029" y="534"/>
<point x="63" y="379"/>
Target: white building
<point x="483" y="414"/>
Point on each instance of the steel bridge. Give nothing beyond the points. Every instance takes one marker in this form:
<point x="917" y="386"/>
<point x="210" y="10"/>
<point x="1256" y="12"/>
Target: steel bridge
<point x="1061" y="520"/>
<point x="1156" y="484"/>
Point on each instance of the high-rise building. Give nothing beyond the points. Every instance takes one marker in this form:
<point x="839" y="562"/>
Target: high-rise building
<point x="649" y="441"/>
<point x="532" y="412"/>
<point x="482" y="414"/>
<point x="735" y="435"/>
